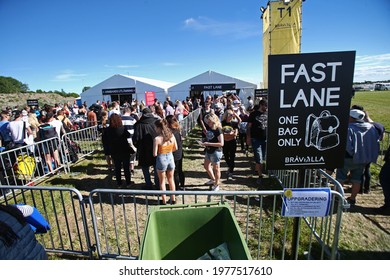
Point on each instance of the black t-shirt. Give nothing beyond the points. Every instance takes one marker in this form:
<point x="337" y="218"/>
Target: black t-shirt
<point x="212" y="137"/>
<point x="259" y="121"/>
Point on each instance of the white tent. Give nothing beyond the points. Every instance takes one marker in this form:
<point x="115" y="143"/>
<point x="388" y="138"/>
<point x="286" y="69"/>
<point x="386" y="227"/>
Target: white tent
<point x="118" y="85"/>
<point x="211" y="83"/>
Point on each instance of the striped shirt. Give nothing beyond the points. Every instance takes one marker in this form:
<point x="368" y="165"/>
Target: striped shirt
<point x="128" y="122"/>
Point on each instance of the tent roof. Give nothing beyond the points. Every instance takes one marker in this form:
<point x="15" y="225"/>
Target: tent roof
<point x="211" y="77"/>
<point x="161" y="84"/>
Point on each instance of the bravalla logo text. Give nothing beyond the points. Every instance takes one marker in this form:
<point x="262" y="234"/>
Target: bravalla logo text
<point x="307" y="159"/>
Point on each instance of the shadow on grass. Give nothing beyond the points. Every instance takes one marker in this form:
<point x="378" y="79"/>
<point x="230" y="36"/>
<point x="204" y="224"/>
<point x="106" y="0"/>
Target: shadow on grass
<point x="267" y="203"/>
<point x="363" y="255"/>
<point x="123" y="198"/>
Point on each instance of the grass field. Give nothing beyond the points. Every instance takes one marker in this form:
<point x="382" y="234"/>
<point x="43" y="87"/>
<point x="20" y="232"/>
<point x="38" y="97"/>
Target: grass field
<point x="376" y="103"/>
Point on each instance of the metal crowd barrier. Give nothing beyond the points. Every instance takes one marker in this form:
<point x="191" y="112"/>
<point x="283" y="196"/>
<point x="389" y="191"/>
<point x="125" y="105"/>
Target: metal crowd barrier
<point x="310" y="178"/>
<point x="64" y="209"/>
<point x="119" y="218"/>
<point x="85" y="141"/>
<point x="27" y="165"/>
<point x="189" y="122"/>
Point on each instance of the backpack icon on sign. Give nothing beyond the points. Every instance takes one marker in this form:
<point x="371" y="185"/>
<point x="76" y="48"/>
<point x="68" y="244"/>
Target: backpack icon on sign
<point x="321" y="131"/>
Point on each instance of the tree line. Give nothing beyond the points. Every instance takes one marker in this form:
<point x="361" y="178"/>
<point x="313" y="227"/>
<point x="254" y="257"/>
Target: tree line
<point x="11" y="85"/>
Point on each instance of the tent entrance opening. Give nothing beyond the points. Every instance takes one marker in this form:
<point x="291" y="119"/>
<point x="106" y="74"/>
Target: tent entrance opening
<point x="119" y="94"/>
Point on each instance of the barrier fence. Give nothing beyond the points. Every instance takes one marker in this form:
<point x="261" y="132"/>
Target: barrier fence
<point x="112" y="222"/>
<point x="28" y="165"/>
<point x="119" y="218"/>
<point x="189" y="122"/>
<point x="64" y="209"/>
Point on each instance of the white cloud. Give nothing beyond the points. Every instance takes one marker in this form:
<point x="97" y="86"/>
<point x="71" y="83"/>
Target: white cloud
<point x="237" y="30"/>
<point x="372" y="68"/>
<point x="68" y="76"/>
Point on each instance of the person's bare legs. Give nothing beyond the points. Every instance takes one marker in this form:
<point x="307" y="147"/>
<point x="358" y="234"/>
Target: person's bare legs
<point x="217" y="173"/>
<point x="171" y="183"/>
<point x="56" y="157"/>
<point x="161" y="178"/>
<point x="355" y="190"/>
<point x="49" y="161"/>
<point x="259" y="169"/>
<point x="209" y="169"/>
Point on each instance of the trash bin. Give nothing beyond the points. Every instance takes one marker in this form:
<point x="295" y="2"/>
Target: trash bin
<point x="188" y="233"/>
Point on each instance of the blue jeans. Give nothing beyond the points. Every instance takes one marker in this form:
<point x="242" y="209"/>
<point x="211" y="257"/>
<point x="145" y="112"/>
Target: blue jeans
<point x="355" y="170"/>
<point x="259" y="149"/>
<point x="148" y="180"/>
<point x="214" y="157"/>
<point x="165" y="162"/>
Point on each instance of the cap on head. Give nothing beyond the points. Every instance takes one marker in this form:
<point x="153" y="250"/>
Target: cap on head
<point x="146" y="111"/>
<point x="357" y="114"/>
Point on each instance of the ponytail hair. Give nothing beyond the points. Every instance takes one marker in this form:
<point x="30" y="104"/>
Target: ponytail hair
<point x="166" y="133"/>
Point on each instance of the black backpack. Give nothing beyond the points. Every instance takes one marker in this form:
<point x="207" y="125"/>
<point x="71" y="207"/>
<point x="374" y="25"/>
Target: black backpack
<point x="46" y="131"/>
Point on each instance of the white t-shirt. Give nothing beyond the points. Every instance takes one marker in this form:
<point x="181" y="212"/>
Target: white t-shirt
<point x="57" y="124"/>
<point x="17" y="133"/>
<point x="114" y="111"/>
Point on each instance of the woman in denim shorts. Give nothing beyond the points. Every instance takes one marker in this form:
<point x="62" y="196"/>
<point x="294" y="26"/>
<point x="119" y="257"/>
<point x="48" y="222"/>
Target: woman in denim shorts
<point x="163" y="146"/>
<point x="213" y="144"/>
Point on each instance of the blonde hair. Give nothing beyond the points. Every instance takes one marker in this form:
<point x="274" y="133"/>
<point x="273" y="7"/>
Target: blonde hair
<point x="214" y="119"/>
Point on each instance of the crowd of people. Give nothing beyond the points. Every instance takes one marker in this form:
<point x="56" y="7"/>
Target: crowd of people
<point x="22" y="125"/>
<point x="151" y="135"/>
<point x="27" y="126"/>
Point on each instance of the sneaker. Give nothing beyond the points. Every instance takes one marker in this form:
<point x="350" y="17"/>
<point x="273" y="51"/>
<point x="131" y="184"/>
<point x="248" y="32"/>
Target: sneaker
<point x="230" y="175"/>
<point x="351" y="201"/>
<point x="210" y="182"/>
<point x="215" y="188"/>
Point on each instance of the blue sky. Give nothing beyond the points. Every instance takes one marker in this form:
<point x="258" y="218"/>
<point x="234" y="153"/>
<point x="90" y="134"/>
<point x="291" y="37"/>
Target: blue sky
<point x="54" y="45"/>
